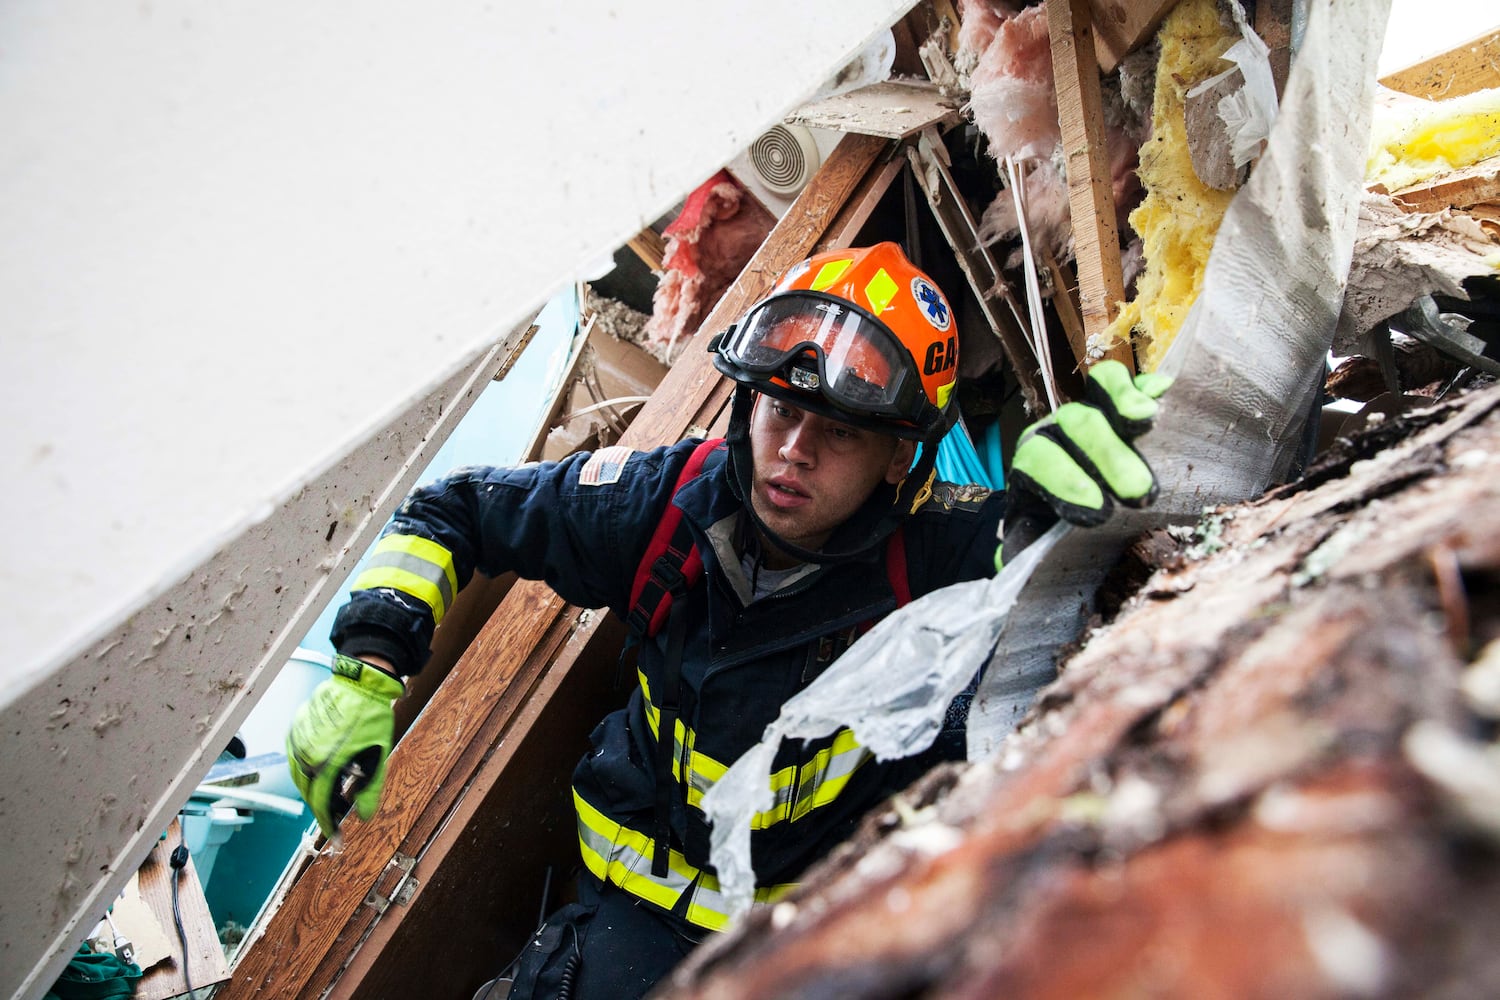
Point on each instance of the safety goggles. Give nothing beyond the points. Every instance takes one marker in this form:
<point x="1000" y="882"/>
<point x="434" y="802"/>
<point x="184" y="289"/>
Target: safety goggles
<point x="817" y="344"/>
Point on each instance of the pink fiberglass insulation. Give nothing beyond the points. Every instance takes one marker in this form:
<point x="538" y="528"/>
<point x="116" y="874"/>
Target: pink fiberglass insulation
<point x="1011" y="94"/>
<point x="978" y="20"/>
<point x="721" y="225"/>
<point x="1013" y="101"/>
<point x="1048" y="216"/>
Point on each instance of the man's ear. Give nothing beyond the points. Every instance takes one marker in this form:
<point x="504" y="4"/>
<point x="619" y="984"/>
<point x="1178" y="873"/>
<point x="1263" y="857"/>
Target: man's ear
<point x="901" y="459"/>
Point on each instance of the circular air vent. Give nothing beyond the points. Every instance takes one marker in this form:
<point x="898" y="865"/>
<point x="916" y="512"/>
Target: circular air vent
<point x="784" y="158"/>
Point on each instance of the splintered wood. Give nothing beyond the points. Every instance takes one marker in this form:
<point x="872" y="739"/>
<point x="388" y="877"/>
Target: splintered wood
<point x="1262" y="778"/>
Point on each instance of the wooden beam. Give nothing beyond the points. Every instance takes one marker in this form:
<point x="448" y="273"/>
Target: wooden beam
<point x="1121" y="25"/>
<point x="1065" y="303"/>
<point x="844" y="230"/>
<point x="650" y="247"/>
<point x="1273" y="23"/>
<point x="481" y="718"/>
<point x="1476" y="184"/>
<point x="1474" y="65"/>
<point x="1096" y="240"/>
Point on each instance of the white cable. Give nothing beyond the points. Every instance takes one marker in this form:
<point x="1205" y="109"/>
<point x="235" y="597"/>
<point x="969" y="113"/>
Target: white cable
<point x="1033" y="286"/>
<point x="617" y="401"/>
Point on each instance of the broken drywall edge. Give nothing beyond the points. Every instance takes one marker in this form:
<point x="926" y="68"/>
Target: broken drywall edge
<point x="1250" y="351"/>
<point x="1403" y="256"/>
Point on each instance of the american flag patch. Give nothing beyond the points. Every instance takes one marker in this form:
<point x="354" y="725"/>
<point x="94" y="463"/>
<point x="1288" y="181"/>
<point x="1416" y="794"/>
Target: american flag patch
<point x="604" y="466"/>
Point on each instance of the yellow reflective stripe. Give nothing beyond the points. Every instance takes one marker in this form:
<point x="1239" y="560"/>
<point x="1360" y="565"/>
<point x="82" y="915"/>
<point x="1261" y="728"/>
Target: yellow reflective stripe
<point x="815" y="783"/>
<point x="623" y="856"/>
<point x="703" y="770"/>
<point x="416" y="566"/>
<point x="829" y="273"/>
<point x="881" y="289"/>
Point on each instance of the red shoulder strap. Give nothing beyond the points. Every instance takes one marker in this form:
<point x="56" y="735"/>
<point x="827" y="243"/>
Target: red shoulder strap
<point x="671" y="563"/>
<point x="895" y="567"/>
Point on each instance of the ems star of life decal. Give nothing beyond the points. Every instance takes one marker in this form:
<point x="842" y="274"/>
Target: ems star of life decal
<point x="605" y="466"/>
<point x="934" y="306"/>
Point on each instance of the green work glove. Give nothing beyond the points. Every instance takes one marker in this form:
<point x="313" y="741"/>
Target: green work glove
<point x="1072" y="462"/>
<point x="340" y="739"/>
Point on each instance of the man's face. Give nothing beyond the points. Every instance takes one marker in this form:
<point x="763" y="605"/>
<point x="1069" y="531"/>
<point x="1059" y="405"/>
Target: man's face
<point x="813" y="473"/>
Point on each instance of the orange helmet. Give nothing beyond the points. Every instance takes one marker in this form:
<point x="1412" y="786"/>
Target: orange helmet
<point x="860" y="335"/>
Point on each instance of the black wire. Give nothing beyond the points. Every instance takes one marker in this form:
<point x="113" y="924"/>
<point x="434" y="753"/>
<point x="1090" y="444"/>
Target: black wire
<point x="178" y="862"/>
<point x="570" y="968"/>
<point x="541" y="921"/>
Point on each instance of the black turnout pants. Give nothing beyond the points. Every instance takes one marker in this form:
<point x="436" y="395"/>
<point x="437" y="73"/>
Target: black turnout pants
<point x="609" y="945"/>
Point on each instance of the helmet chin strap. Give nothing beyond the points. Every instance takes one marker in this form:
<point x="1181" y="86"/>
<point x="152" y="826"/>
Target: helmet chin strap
<point x="869" y="526"/>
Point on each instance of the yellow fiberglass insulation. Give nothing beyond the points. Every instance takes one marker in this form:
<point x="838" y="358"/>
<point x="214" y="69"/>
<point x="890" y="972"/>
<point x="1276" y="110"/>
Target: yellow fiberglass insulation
<point x="1413" y="140"/>
<point x="1180" y="214"/>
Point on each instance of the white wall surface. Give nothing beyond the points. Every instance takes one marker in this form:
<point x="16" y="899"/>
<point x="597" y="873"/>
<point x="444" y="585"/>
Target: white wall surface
<point x="1420" y="29"/>
<point x="242" y="245"/>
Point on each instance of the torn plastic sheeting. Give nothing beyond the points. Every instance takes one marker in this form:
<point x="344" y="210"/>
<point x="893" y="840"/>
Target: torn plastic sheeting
<point x="1251" y="352"/>
<point x="898" y="716"/>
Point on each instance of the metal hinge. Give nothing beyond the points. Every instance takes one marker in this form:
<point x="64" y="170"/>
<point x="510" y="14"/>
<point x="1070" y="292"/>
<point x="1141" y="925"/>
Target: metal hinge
<point x="402" y="887"/>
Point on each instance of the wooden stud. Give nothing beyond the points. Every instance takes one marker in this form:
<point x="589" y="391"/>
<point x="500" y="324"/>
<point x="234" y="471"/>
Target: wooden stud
<point x="650" y="246"/>
<point x="1065" y="304"/>
<point x="1096" y="239"/>
<point x="1474" y="65"/>
<point x="1121" y="25"/>
<point x="1476" y="184"/>
<point x="846" y="226"/>
<point x="1273" y="23"/>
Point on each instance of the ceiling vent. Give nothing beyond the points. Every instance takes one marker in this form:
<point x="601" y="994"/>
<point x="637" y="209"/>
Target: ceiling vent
<point x="784" y="158"/>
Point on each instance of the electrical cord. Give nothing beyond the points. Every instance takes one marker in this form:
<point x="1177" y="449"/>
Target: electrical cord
<point x="178" y="861"/>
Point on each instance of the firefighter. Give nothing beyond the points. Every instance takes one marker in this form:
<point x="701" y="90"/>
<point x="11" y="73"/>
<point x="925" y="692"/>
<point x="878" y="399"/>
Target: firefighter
<point x="744" y="567"/>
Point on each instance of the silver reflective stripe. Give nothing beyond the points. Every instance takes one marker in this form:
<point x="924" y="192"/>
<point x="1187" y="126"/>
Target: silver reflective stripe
<point x="417" y="566"/>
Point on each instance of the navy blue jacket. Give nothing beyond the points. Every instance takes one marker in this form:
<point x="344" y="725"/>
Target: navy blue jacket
<point x="741" y="660"/>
